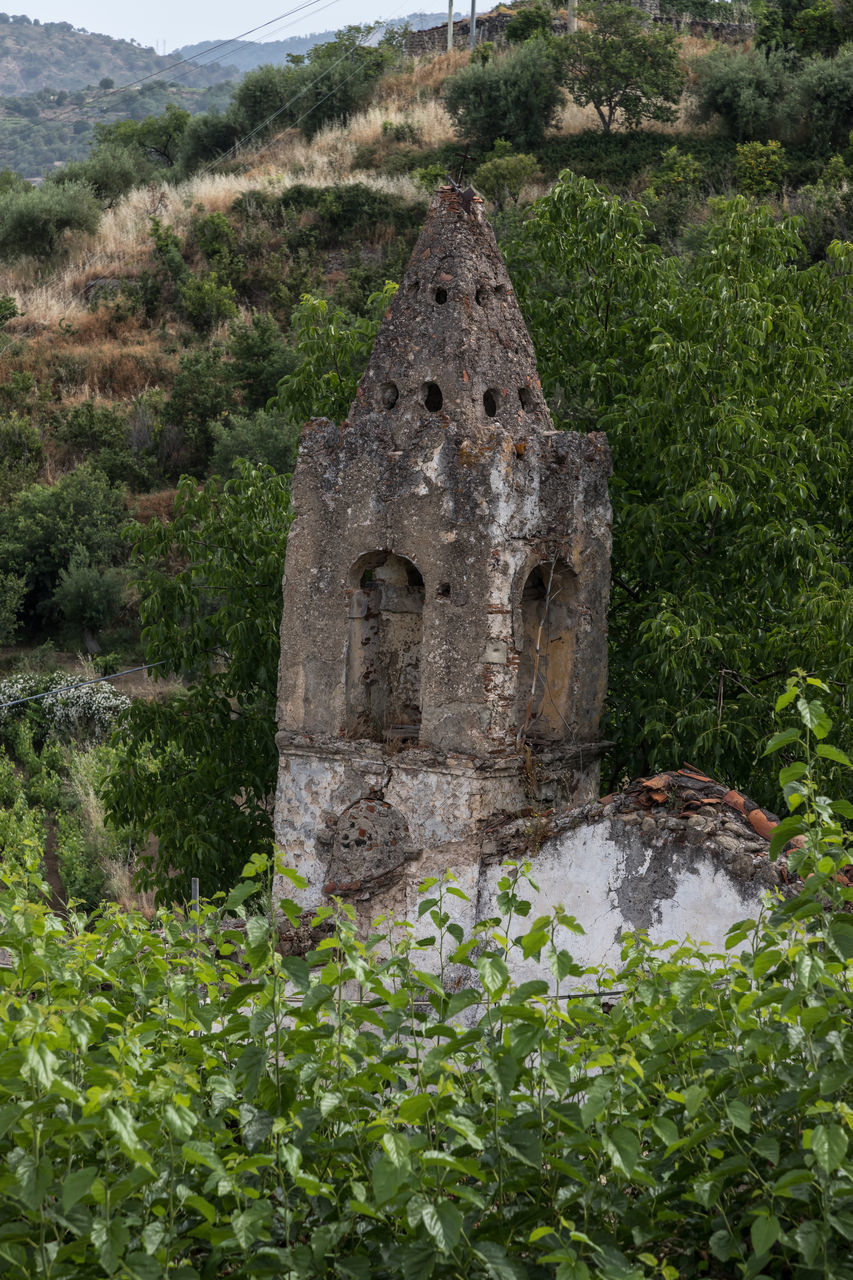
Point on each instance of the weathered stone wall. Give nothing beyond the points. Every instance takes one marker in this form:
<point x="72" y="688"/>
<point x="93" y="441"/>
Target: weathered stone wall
<point x="676" y="856"/>
<point x="492" y="27"/>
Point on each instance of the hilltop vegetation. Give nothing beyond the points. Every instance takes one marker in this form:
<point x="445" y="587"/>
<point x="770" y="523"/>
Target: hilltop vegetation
<point x="56" y="55"/>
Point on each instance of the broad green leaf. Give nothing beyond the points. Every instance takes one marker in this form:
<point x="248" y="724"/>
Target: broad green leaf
<point x="76" y="1185"/>
<point x="829" y="1144"/>
<point x="623" y="1147"/>
<point x="493" y="973"/>
<point x="498" y="1265"/>
<point x="764" y="1233"/>
<point x="443" y="1221"/>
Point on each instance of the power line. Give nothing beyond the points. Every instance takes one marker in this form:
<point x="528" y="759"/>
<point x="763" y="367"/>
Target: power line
<point x="190" y="62"/>
<point x="69" y="688"/>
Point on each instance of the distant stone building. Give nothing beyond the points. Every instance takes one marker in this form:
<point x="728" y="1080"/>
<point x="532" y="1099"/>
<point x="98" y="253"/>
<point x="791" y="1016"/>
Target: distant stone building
<point x="444" y="642"/>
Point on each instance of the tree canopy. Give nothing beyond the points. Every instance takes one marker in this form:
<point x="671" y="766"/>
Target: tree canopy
<point x="198" y="768"/>
<point x="623" y="66"/>
<point x="722" y="381"/>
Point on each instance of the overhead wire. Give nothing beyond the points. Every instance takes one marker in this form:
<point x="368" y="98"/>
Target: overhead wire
<point x="97" y="257"/>
<point x="192" y="60"/>
<point x="82" y="684"/>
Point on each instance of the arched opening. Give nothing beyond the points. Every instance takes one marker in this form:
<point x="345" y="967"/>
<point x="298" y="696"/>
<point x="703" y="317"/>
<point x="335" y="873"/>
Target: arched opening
<point x="480" y="295"/>
<point x="547" y="661"/>
<point x="490" y="401"/>
<point x="441" y="295"/>
<point x="525" y="398"/>
<point x="383" y="674"/>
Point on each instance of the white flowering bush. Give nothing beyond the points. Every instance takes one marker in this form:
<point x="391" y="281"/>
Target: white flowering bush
<point x="85" y="712"/>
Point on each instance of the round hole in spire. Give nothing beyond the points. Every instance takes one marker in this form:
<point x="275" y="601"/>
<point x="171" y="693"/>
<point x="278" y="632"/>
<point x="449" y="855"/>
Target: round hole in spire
<point x="490" y="402"/>
<point x="441" y="295"/>
<point x="525" y="396"/>
<point x="481" y="294"/>
<point x="389" y="394"/>
<point x="432" y="397"/>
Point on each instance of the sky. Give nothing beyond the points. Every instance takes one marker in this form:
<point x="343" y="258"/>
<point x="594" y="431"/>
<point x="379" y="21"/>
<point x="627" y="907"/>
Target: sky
<point x="169" y="24"/>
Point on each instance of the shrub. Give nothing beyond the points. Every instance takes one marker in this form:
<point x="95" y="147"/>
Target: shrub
<point x="84" y="713"/>
<point x="42" y="526"/>
<point x="515" y="97"/>
<point x="529" y="21"/>
<point x="749" y="91"/>
<point x="206" y="301"/>
<point x="258" y="359"/>
<point x="87" y="596"/>
<point x="504" y="177"/>
<point x="21" y="454"/>
<point x="110" y="172"/>
<point x="34" y="222"/>
<point x="13" y="589"/>
<point x="672" y="190"/>
<point x="822" y="102"/>
<point x="270" y="438"/>
<point x="347" y="1115"/>
<point x="760" y="168"/>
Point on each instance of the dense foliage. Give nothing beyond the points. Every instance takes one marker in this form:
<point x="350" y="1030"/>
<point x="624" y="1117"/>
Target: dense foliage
<point x="722" y="382"/>
<point x="182" y="1098"/>
<point x="198" y="768"/>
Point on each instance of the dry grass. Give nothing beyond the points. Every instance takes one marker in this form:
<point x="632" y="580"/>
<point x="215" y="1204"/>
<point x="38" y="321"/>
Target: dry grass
<point x="119" y="886"/>
<point x="424" y="78"/>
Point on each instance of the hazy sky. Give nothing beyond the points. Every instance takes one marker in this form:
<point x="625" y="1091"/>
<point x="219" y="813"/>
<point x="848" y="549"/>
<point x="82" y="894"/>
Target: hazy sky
<point x="180" y="22"/>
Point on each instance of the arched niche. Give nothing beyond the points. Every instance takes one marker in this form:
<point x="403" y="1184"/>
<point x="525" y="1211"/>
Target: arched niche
<point x="383" y="672"/>
<point x="545" y="710"/>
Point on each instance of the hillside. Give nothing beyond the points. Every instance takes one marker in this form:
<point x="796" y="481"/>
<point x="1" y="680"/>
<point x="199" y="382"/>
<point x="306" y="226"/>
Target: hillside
<point x="247" y="54"/>
<point x="57" y="55"/>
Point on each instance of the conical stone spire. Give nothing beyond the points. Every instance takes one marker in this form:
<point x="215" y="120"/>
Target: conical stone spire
<point x="453" y="346"/>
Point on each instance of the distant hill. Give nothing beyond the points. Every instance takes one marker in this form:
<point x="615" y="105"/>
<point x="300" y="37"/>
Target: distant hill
<point x="55" y="55"/>
<point x="248" y="54"/>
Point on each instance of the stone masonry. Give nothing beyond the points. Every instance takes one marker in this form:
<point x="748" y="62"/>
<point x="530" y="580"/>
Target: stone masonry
<point x="444" y="644"/>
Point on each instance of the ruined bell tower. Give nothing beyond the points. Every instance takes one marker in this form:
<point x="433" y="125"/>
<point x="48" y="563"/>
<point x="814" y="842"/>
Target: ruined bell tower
<point x="444" y="640"/>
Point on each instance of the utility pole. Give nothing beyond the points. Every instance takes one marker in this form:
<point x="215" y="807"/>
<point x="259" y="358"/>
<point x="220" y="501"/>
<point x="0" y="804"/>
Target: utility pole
<point x="472" y="39"/>
<point x="449" y="25"/>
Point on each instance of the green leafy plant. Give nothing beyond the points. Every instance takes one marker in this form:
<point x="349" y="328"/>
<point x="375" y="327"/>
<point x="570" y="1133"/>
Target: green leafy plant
<point x="198" y="767"/>
<point x="728" y="565"/>
<point x="622" y="66"/>
<point x="502" y="178"/>
<point x="184" y="1097"/>
<point x="760" y="167"/>
<point x="514" y="97"/>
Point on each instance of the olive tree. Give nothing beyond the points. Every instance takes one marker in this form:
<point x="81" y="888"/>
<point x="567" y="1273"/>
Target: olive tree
<point x="621" y="65"/>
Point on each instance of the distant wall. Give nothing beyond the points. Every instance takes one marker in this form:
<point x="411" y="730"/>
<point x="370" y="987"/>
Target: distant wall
<point x="492" y="27"/>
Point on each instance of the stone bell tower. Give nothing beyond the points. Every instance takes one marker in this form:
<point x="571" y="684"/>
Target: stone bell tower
<point x="444" y="640"/>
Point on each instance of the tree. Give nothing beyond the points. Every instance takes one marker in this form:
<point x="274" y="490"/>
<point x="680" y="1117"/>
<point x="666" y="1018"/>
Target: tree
<point x="621" y="65"/>
<point x="42" y="527"/>
<point x="514" y="97"/>
<point x="34" y="221"/>
<point x="334" y="347"/>
<point x="722" y="382"/>
<point x="199" y="767"/>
